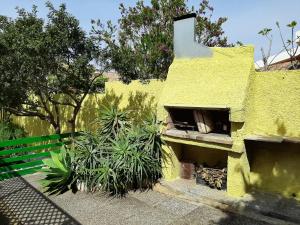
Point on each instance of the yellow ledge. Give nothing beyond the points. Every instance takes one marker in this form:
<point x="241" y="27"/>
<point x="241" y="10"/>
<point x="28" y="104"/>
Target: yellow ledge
<point x="204" y="144"/>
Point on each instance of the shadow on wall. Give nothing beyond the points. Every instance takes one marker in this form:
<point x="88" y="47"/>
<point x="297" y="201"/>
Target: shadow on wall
<point x="205" y="156"/>
<point x="281" y="128"/>
<point x="139" y="104"/>
<point x="89" y="112"/>
<point x="129" y="97"/>
<point x="274" y="167"/>
<point x="87" y="115"/>
<point x="34" y="126"/>
<point x="110" y="98"/>
<point x="274" y="186"/>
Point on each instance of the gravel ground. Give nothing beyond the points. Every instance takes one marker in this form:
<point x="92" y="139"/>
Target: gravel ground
<point x="137" y="208"/>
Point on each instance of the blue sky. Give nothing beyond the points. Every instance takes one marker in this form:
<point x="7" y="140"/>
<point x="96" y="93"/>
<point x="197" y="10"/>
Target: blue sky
<point x="245" y="17"/>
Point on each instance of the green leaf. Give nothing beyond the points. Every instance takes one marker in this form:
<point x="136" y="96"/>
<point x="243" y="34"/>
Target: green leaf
<point x="59" y="174"/>
<point x="265" y="31"/>
<point x="292" y="24"/>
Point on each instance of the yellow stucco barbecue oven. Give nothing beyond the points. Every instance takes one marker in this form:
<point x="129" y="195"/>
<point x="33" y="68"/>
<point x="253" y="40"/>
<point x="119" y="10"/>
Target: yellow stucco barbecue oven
<point x="260" y="142"/>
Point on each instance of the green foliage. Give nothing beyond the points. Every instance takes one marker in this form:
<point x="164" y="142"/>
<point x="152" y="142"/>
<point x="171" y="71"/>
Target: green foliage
<point x="239" y="43"/>
<point x="266" y="54"/>
<point x="133" y="164"/>
<point x="107" y="178"/>
<point x="147" y="134"/>
<point x="9" y="130"/>
<point x="112" y="121"/>
<point x="289" y="44"/>
<point x="265" y="31"/>
<point x="59" y="173"/>
<point x="40" y="60"/>
<point x="121" y="156"/>
<point x="89" y="153"/>
<point x="141" y="47"/>
<point x="292" y="24"/>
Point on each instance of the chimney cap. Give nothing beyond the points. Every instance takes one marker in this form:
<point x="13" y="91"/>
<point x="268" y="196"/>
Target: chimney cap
<point x="186" y="16"/>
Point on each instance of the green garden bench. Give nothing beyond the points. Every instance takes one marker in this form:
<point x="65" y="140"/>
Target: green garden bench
<point x="25" y="155"/>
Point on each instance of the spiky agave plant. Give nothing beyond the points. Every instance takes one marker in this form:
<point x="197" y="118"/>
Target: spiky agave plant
<point x="59" y="173"/>
<point x="109" y="180"/>
<point x="111" y="121"/>
<point x="147" y="134"/>
<point x="135" y="167"/>
<point x="89" y="152"/>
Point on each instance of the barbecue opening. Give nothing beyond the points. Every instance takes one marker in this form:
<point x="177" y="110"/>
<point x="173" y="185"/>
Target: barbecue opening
<point x="203" y="121"/>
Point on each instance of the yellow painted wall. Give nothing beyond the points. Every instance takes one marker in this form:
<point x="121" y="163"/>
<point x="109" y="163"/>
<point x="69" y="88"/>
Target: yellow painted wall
<point x="273" y="108"/>
<point x="275" y="168"/>
<point x="35" y="127"/>
<point x="274" y="105"/>
<point x="261" y="103"/>
<point x="171" y="161"/>
<point x="211" y="157"/>
<point x="137" y="97"/>
<point x="218" y="81"/>
<point x="237" y="174"/>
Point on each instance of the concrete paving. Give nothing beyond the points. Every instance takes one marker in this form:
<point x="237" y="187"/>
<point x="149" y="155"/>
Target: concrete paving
<point x="149" y="208"/>
<point x="22" y="204"/>
<point x="264" y="204"/>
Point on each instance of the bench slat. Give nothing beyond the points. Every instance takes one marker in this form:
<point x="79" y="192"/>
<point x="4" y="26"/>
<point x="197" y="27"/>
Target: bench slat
<point x="32" y="148"/>
<point x="25" y="157"/>
<point x="13" y="165"/>
<point x="30" y="140"/>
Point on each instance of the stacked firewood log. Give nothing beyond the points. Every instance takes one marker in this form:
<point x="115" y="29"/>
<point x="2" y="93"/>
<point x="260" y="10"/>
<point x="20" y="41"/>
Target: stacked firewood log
<point x="213" y="177"/>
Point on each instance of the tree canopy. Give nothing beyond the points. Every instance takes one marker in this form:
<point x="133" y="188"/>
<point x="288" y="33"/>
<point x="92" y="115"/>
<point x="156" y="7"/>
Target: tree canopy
<point x="141" y="46"/>
<point x="40" y="60"/>
<point x="48" y="65"/>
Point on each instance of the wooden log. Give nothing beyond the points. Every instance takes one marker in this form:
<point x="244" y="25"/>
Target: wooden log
<point x="203" y="120"/>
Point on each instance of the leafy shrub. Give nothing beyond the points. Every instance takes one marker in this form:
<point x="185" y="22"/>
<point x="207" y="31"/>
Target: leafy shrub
<point x="107" y="178"/>
<point x="89" y="153"/>
<point x="136" y="166"/>
<point x="118" y="158"/>
<point x="112" y="121"/>
<point x="147" y="134"/>
<point x="59" y="172"/>
<point x="126" y="156"/>
<point x="9" y="131"/>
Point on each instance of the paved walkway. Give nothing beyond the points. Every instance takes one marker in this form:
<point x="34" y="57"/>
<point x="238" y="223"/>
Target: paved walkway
<point x="256" y="203"/>
<point x="150" y="207"/>
<point x="20" y="204"/>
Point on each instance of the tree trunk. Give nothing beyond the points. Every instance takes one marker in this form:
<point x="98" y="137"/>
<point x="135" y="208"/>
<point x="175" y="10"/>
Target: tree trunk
<point x="56" y="128"/>
<point x="75" y="113"/>
<point x="73" y="125"/>
<point x="74" y="117"/>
